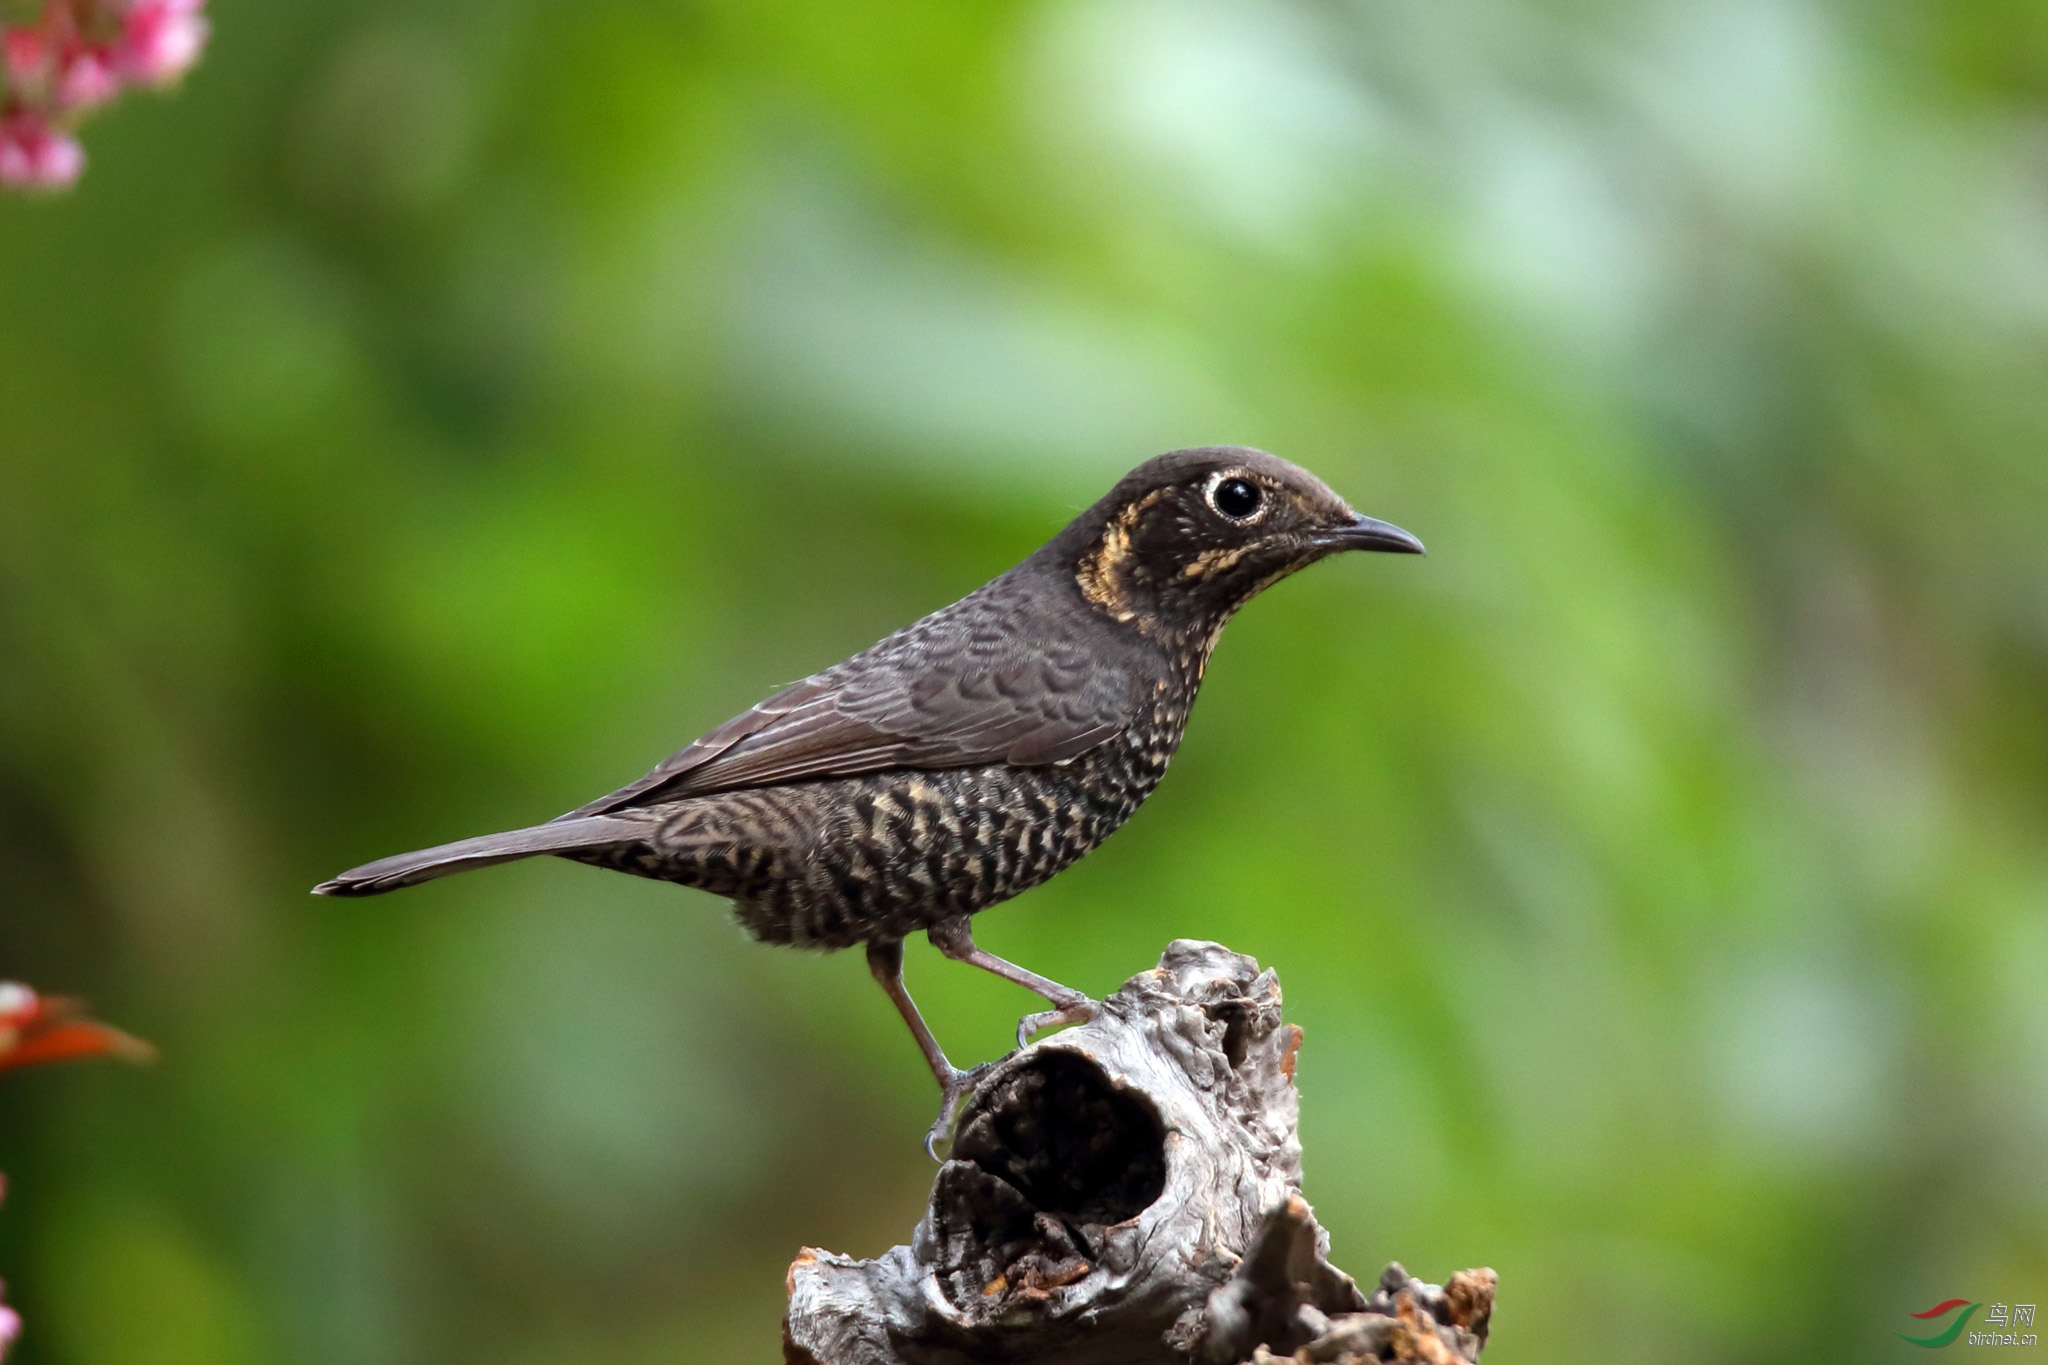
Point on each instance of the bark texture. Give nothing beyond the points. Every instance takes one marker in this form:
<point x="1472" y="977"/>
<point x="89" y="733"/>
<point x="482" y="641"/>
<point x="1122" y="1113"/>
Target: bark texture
<point x="1129" y="1192"/>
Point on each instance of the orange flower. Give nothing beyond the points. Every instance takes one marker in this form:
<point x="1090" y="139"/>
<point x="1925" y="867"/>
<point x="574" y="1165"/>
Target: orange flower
<point x="35" y="1028"/>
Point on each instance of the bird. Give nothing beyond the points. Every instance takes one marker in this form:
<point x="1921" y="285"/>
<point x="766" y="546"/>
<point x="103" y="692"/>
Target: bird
<point x="972" y="754"/>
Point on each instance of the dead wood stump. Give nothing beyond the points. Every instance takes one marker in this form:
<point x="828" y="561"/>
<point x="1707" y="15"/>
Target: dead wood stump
<point x="1129" y="1192"/>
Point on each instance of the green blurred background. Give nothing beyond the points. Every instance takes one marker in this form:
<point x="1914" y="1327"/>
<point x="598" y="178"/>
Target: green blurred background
<point x="440" y="410"/>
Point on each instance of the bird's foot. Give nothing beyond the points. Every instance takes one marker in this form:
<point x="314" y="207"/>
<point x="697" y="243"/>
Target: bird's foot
<point x="1079" y="1012"/>
<point x="953" y="1089"/>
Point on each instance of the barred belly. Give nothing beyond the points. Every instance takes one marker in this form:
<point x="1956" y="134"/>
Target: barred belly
<point x="880" y="857"/>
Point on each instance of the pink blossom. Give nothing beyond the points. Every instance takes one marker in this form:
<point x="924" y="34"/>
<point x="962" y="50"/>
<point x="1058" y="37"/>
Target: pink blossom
<point x="35" y="156"/>
<point x="28" y="57"/>
<point x="162" y="39"/>
<point x="63" y="58"/>
<point x="89" y="79"/>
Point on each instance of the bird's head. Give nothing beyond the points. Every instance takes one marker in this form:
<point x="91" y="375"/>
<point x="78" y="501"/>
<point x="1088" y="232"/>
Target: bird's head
<point x="1186" y="539"/>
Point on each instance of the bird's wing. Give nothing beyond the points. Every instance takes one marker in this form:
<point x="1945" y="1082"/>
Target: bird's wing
<point x="947" y="692"/>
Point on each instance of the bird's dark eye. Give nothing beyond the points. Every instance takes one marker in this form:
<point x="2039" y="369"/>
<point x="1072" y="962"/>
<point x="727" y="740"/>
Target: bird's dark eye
<point x="1236" y="498"/>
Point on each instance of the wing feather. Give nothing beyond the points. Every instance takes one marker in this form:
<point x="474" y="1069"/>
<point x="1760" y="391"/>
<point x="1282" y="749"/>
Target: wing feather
<point x="960" y="688"/>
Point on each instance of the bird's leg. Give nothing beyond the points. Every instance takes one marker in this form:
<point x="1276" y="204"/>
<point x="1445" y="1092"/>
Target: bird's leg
<point x="954" y="937"/>
<point x="885" y="964"/>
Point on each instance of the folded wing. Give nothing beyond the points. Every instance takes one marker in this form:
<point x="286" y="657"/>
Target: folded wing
<point x="953" y="690"/>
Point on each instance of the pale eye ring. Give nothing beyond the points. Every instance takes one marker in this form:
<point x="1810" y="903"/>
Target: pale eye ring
<point x="1236" y="498"/>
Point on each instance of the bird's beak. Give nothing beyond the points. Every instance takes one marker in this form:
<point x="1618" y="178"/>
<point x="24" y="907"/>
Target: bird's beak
<point x="1369" y="533"/>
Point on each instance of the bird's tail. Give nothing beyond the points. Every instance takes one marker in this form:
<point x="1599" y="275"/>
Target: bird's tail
<point x="407" y="869"/>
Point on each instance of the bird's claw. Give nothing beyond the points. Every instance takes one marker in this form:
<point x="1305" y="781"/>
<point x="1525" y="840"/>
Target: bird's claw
<point x="1080" y="1012"/>
<point x="952" y="1091"/>
<point x="959" y="1084"/>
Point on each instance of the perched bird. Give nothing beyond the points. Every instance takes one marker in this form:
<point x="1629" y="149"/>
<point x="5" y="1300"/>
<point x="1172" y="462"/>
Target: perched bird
<point x="972" y="754"/>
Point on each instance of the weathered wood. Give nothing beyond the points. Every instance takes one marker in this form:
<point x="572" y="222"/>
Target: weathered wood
<point x="1128" y="1192"/>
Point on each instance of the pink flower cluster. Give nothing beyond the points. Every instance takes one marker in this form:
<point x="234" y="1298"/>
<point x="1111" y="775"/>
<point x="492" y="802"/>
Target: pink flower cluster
<point x="74" y="56"/>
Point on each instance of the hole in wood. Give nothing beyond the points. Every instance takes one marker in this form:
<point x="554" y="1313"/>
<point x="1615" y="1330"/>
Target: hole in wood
<point x="1235" y="1017"/>
<point x="1072" y="1144"/>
